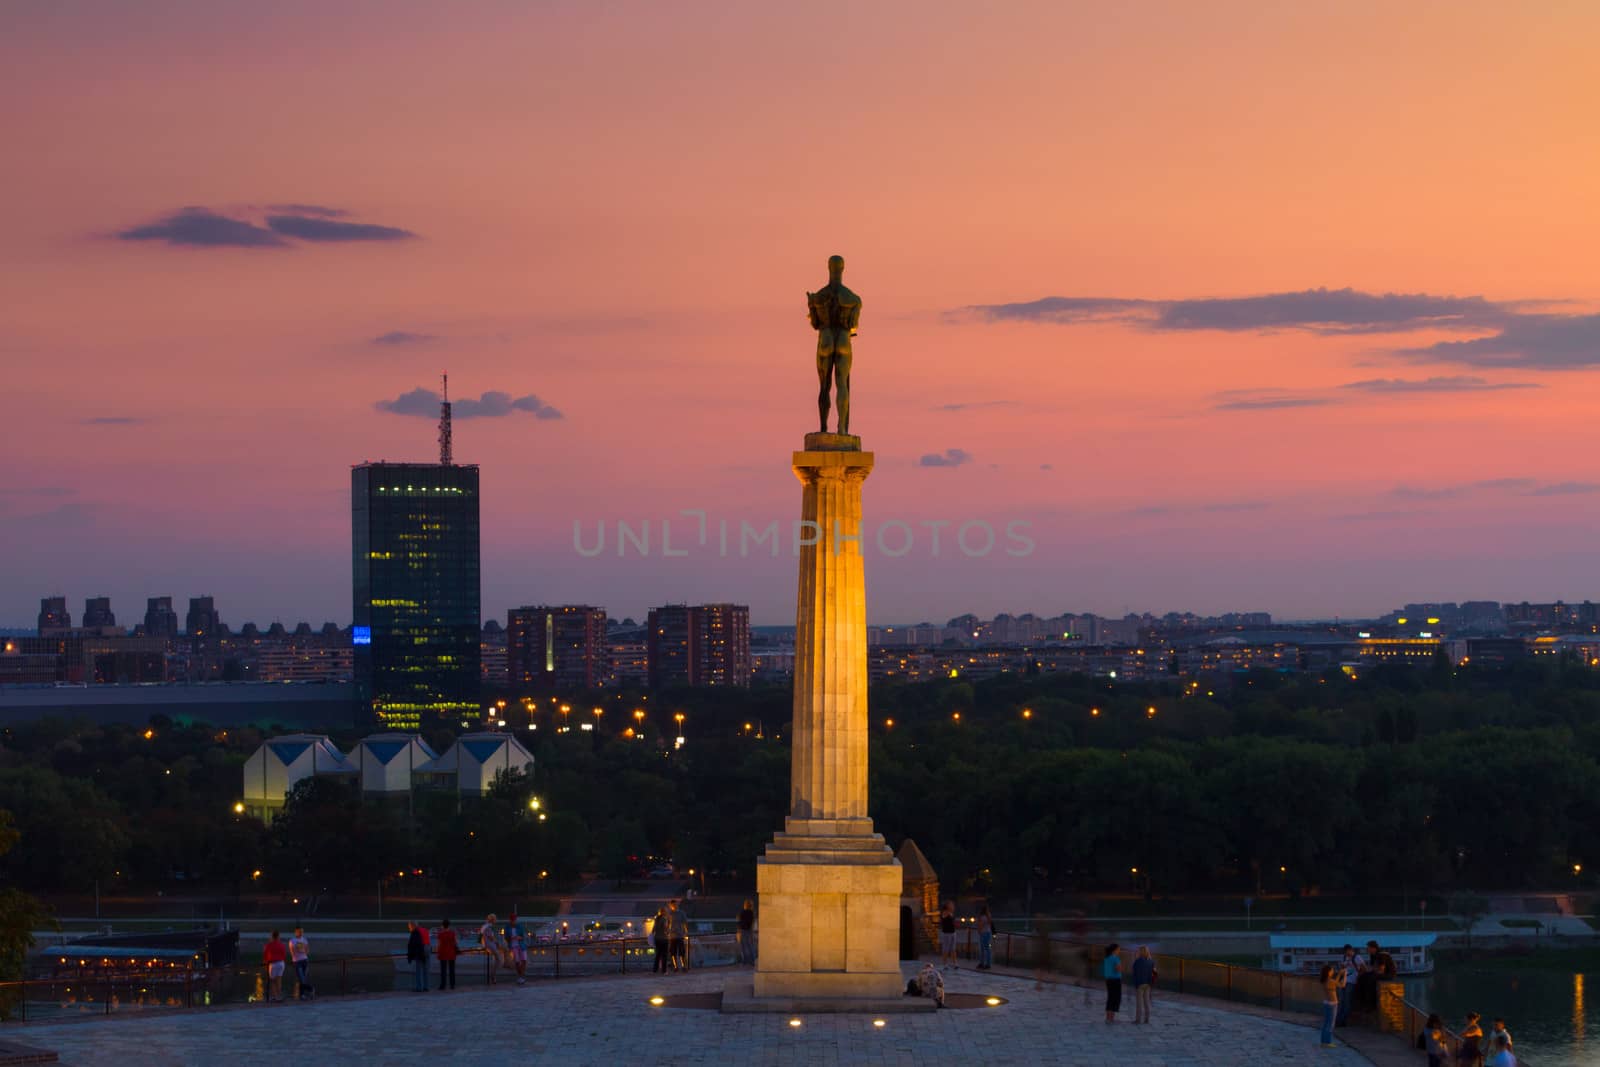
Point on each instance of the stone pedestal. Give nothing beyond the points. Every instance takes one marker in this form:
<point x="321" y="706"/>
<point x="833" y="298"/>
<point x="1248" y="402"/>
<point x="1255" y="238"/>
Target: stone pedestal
<point x="829" y="886"/>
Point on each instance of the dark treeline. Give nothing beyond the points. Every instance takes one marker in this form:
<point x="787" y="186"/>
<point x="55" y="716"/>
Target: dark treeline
<point x="1404" y="778"/>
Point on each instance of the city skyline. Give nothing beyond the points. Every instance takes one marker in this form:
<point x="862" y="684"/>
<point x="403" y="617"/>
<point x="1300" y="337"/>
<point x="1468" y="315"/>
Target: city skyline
<point x="1135" y="286"/>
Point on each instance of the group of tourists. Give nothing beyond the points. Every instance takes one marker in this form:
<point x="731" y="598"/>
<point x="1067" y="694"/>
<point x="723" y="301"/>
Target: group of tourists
<point x="984" y="922"/>
<point x="669" y="934"/>
<point x="1476" y="1049"/>
<point x="503" y="946"/>
<point x="277" y="953"/>
<point x="1141" y="975"/>
<point x="1351" y="985"/>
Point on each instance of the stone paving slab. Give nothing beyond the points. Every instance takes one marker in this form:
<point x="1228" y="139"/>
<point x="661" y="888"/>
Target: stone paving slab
<point x="606" y="1021"/>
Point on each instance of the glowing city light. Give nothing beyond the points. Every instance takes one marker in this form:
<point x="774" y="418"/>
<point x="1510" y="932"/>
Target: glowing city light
<point x="658" y="1000"/>
<point x="794" y="1022"/>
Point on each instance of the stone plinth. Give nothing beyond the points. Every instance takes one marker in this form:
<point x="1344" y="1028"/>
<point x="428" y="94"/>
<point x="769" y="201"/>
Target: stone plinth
<point x="829" y="886"/>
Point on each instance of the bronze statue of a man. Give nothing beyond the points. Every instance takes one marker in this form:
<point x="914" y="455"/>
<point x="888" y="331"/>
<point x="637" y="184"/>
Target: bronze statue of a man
<point x="835" y="314"/>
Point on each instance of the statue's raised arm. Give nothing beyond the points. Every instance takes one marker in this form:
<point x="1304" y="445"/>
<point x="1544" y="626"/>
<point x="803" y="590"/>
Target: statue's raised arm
<point x="835" y="314"/>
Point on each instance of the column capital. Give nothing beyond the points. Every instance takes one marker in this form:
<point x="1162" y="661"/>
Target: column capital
<point x="811" y="467"/>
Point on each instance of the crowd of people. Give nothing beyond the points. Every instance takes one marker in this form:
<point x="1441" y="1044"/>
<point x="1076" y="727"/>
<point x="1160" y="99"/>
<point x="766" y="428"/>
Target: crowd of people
<point x="1351" y="986"/>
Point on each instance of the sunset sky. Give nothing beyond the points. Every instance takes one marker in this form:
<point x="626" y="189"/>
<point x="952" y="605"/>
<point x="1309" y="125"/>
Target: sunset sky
<point x="1240" y="306"/>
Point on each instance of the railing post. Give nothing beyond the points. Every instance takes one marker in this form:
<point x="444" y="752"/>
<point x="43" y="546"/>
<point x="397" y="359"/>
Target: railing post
<point x="1008" y="950"/>
<point x="1228" y="970"/>
<point x="1180" y="974"/>
<point x="1280" y="990"/>
<point x="24" y="1012"/>
<point x="624" y="955"/>
<point x="556" y="947"/>
<point x="344" y="966"/>
<point x="188" y="990"/>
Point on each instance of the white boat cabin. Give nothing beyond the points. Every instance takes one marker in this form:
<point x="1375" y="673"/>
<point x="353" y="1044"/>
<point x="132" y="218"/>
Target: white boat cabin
<point x="1306" y="953"/>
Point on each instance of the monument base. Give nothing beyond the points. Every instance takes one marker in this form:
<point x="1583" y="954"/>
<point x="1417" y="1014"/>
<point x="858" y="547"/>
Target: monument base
<point x="832" y="442"/>
<point x="830" y="915"/>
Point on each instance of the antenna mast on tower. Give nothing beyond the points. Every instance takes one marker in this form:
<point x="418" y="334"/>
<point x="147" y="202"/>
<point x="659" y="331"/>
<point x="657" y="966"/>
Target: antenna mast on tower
<point x="445" y="457"/>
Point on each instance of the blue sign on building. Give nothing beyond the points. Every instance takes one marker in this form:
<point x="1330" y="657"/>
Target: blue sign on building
<point x="361" y="635"/>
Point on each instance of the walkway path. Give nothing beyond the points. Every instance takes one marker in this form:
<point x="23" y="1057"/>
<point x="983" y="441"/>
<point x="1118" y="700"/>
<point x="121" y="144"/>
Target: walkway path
<point x="609" y="1021"/>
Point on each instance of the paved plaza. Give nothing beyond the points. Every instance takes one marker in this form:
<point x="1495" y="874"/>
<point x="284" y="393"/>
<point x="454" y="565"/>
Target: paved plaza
<point x="609" y="1021"/>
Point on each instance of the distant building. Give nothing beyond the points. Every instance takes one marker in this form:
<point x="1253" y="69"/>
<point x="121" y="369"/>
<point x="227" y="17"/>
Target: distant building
<point x="557" y="648"/>
<point x="721" y="645"/>
<point x="202" y="625"/>
<point x="97" y="614"/>
<point x="274" y="769"/>
<point x="160" y="620"/>
<point x="383" y="766"/>
<point x="706" y="645"/>
<point x="669" y="633"/>
<point x="416" y="590"/>
<point x="54" y="618"/>
<point x="81" y="657"/>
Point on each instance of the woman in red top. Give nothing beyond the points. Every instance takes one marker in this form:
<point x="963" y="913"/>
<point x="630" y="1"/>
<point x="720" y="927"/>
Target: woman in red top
<point x="273" y="956"/>
<point x="447" y="953"/>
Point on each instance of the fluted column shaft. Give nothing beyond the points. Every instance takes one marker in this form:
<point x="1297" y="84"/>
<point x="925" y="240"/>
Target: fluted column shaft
<point x="829" y="779"/>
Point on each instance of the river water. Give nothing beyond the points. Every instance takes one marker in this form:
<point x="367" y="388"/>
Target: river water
<point x="1551" y="1020"/>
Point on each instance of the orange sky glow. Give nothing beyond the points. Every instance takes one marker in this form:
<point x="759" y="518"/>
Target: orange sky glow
<point x="617" y="209"/>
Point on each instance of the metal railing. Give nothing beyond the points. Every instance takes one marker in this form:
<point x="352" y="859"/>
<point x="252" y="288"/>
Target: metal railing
<point x="1225" y="981"/>
<point x="91" y="992"/>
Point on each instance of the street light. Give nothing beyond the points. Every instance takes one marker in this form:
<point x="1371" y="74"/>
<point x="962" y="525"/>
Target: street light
<point x="238" y="807"/>
<point x="534" y="804"/>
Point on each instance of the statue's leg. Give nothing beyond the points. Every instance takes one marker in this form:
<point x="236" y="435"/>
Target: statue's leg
<point x="824" y="374"/>
<point x="841" y="377"/>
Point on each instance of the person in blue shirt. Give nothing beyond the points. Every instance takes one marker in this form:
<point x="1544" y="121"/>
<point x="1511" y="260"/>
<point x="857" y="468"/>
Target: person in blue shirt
<point x="517" y="938"/>
<point x="1112" y="970"/>
<point x="1144" y="978"/>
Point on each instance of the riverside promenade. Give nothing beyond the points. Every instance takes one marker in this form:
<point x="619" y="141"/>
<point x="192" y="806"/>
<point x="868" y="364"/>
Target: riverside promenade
<point x="609" y="1020"/>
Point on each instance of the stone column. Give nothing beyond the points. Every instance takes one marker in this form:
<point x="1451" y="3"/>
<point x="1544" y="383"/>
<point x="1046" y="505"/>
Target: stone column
<point x="829" y="887"/>
<point x="829" y="770"/>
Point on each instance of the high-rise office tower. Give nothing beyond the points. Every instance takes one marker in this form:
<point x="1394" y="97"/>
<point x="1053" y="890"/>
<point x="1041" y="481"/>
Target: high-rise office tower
<point x="416" y="589"/>
<point x="97" y="613"/>
<point x="558" y="648"/>
<point x="160" y="620"/>
<point x="54" y="618"/>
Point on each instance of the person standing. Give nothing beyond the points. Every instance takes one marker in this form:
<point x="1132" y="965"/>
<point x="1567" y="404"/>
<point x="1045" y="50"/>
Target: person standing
<point x="1144" y="979"/>
<point x="678" y="935"/>
<point x="300" y="953"/>
<point x="493" y="945"/>
<point x="273" y="956"/>
<point x="1500" y="1031"/>
<point x="1353" y="965"/>
<point x="947" y="934"/>
<point x="1331" y="978"/>
<point x="1500" y="1052"/>
<point x="417" y="956"/>
<point x="985" y="939"/>
<point x="1111" y="971"/>
<point x="517" y="938"/>
<point x="661" y="939"/>
<point x="1470" y="1051"/>
<point x="1433" y="1042"/>
<point x="448" y="950"/>
<point x="747" y="934"/>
